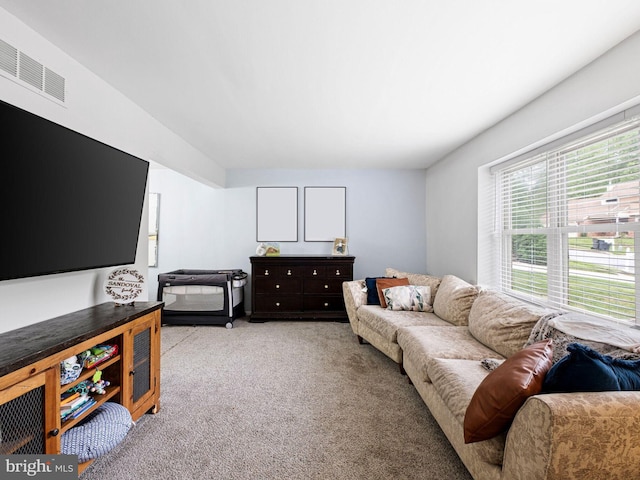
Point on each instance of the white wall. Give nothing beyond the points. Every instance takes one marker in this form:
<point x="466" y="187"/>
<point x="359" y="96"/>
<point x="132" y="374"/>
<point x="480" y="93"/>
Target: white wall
<point x="190" y="220"/>
<point x="606" y="86"/>
<point x="95" y="109"/>
<point x="203" y="228"/>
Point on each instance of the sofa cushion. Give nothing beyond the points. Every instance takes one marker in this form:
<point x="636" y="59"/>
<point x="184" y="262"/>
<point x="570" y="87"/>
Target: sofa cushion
<point x="408" y="297"/>
<point x="455" y="381"/>
<point x="585" y="370"/>
<point x="501" y="394"/>
<point x="383" y="283"/>
<point x="501" y="322"/>
<point x="387" y="322"/>
<point x="417" y="279"/>
<point x="454" y="299"/>
<point x="424" y="343"/>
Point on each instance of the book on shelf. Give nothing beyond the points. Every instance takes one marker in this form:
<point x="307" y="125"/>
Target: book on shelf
<point x="74" y="403"/>
<point x="86" y="406"/>
<point x="67" y="400"/>
<point x="77" y="407"/>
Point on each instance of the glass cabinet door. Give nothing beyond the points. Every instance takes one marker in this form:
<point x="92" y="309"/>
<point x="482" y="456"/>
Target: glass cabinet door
<point x="27" y="426"/>
<point x="143" y="365"/>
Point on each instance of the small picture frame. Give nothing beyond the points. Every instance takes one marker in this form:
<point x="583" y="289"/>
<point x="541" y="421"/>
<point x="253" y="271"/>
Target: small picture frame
<point x="272" y="249"/>
<point x="340" y="246"/>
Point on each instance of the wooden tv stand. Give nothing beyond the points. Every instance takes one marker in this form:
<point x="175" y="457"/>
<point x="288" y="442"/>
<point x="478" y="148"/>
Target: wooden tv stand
<point x="30" y="371"/>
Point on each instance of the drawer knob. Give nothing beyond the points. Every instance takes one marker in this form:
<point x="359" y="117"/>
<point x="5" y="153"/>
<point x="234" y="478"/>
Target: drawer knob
<point x="277" y="286"/>
<point x="326" y="304"/>
<point x="337" y="272"/>
<point x="54" y="432"/>
<point x="266" y="272"/>
<point x="326" y="286"/>
<point x="277" y="304"/>
<point x="315" y="272"/>
<point x="288" y="272"/>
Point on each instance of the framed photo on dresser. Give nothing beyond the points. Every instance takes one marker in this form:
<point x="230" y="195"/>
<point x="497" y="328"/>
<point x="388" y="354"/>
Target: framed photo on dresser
<point x="340" y="246"/>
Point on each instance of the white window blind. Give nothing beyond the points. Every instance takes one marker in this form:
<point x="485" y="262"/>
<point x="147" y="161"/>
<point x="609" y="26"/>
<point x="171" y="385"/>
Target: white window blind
<point x="568" y="224"/>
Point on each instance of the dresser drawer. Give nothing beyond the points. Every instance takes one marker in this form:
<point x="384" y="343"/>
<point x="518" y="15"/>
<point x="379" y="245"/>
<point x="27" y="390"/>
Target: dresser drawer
<point x="277" y="271"/>
<point x="277" y="285"/>
<point x="339" y="271"/>
<point x="323" y="285"/>
<point x="320" y="303"/>
<point x="322" y="271"/>
<point x="314" y="271"/>
<point x="278" y="303"/>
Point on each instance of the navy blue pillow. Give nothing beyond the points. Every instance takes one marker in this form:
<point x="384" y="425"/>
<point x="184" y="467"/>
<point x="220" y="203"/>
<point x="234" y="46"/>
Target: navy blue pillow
<point x="372" y="291"/>
<point x="585" y="370"/>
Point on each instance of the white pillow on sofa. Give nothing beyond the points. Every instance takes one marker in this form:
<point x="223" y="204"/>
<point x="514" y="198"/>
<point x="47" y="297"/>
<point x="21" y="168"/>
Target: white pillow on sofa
<point x="415" y="298"/>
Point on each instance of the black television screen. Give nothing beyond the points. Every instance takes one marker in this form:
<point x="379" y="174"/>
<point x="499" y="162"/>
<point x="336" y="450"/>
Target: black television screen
<point x="67" y="202"/>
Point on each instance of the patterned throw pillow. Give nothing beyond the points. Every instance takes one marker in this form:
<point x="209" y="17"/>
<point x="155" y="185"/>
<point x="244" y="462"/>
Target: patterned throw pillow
<point x="417" y="279"/>
<point x="383" y="283"/>
<point x="416" y="298"/>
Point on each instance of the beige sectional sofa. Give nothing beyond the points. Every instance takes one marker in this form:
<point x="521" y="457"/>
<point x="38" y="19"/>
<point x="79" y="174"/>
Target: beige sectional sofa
<point x="447" y="353"/>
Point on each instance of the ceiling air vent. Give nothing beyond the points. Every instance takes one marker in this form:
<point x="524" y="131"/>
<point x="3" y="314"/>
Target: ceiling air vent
<point x="25" y="69"/>
<point x="31" y="71"/>
<point x="8" y="58"/>
<point x="54" y="84"/>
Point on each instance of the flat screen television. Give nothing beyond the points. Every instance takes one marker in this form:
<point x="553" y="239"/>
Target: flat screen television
<point x="67" y="202"/>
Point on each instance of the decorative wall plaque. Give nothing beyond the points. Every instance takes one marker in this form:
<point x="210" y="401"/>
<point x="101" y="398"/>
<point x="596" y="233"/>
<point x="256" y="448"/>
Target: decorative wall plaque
<point x="124" y="285"/>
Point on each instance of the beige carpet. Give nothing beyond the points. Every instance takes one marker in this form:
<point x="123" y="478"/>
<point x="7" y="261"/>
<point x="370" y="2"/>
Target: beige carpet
<point x="280" y="400"/>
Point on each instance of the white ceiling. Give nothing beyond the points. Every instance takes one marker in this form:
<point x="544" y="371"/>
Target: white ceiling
<point x="331" y="83"/>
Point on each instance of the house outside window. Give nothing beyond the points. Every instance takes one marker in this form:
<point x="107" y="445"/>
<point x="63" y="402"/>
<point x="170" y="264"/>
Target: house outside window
<point x="567" y="223"/>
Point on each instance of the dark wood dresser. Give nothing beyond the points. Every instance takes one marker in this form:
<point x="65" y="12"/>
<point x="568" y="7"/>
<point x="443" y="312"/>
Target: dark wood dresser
<point x="299" y="287"/>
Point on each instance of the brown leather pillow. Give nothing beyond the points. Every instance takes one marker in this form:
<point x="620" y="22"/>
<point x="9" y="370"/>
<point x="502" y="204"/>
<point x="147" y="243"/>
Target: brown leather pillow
<point x="501" y="394"/>
<point x="383" y="283"/>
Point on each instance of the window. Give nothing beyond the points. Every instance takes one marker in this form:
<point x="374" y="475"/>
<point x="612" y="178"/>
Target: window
<point x="568" y="224"/>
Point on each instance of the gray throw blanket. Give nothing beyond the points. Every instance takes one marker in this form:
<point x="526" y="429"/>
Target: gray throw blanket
<point x="606" y="338"/>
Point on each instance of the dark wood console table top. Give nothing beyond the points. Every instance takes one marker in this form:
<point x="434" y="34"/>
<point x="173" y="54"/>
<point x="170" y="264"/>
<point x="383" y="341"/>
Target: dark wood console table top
<point x="26" y="345"/>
